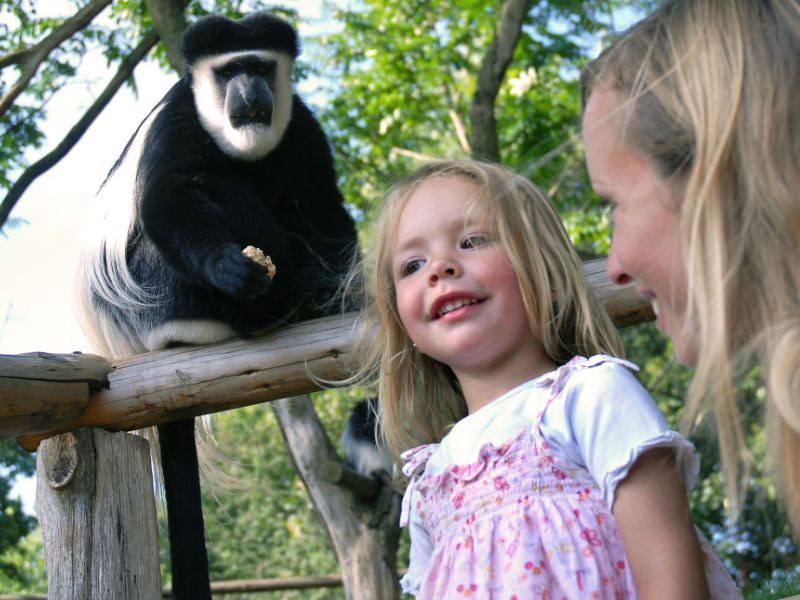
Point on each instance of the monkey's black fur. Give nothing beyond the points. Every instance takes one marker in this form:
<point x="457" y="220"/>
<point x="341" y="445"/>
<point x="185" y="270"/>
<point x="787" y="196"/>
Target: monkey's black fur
<point x="362" y="450"/>
<point x="198" y="208"/>
<point x="197" y="205"/>
<point x="215" y="35"/>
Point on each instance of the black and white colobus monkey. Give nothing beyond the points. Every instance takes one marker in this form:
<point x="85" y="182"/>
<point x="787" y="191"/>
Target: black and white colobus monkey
<point x="363" y="452"/>
<point x="229" y="158"/>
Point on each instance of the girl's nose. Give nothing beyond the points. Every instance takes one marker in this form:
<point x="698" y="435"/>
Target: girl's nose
<point x="442" y="269"/>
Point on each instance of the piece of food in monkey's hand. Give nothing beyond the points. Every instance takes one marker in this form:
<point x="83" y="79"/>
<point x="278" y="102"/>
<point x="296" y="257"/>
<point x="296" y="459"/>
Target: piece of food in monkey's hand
<point x="258" y="257"/>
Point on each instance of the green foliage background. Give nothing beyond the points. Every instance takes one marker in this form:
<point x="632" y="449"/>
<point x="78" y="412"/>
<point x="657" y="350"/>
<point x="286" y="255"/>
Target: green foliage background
<point x="391" y="82"/>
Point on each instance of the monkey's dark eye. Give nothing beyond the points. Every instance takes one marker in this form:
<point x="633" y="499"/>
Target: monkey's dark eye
<point x="226" y="71"/>
<point x="265" y="69"/>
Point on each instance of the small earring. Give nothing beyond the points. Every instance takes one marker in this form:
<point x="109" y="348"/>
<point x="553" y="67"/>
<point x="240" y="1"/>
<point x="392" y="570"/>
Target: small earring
<point x="414" y="344"/>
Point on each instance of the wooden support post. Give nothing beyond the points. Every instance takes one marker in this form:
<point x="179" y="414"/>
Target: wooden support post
<point x="96" y="508"/>
<point x="364" y="535"/>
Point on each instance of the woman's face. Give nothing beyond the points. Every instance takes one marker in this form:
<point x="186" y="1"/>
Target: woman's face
<point x="646" y="246"/>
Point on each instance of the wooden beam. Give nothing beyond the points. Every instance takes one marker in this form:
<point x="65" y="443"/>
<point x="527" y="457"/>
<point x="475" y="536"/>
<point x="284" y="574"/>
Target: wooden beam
<point x="190" y="381"/>
<point x="39" y="389"/>
<point x="621" y="302"/>
<point x="43" y="366"/>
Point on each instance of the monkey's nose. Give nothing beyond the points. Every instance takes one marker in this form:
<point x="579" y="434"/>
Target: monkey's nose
<point x="251" y="113"/>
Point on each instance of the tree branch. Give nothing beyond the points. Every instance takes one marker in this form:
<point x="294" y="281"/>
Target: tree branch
<point x="45" y="163"/>
<point x="170" y="23"/>
<point x="491" y="74"/>
<point x="17" y="57"/>
<point x="33" y="57"/>
<point x="413" y="155"/>
<point x="461" y="131"/>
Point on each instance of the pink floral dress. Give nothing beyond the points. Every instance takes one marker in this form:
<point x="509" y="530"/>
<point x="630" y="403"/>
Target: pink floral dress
<point x="523" y="523"/>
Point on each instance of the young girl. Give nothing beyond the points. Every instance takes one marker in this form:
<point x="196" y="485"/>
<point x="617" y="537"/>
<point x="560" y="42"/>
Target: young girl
<point x="544" y="470"/>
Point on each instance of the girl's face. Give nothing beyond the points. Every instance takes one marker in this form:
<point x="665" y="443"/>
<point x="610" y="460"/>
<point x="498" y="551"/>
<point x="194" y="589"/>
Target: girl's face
<point x="457" y="295"/>
<point x="646" y="244"/>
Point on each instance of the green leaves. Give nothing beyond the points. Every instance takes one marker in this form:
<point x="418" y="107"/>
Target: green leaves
<point x="403" y="78"/>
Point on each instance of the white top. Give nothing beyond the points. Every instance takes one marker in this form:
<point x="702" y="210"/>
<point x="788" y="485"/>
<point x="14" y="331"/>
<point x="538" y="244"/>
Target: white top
<point x="602" y="421"/>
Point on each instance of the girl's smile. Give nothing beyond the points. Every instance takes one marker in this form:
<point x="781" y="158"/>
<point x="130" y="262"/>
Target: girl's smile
<point x="453" y="305"/>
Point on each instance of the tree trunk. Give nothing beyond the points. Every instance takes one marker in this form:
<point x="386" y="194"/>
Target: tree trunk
<point x="484" y="141"/>
<point x="364" y="535"/>
<point x="95" y="505"/>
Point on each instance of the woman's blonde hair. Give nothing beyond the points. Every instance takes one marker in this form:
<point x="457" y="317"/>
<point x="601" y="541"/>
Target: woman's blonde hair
<point x="419" y="397"/>
<point x="711" y="89"/>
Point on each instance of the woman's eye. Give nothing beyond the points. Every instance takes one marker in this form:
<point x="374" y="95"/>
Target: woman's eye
<point x="608" y="205"/>
<point x="475" y="240"/>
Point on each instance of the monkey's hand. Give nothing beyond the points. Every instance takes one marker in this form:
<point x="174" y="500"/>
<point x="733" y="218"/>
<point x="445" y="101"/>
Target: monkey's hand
<point x="257" y="255"/>
<point x="235" y="274"/>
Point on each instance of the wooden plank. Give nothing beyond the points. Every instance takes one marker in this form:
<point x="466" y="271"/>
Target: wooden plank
<point x="43" y="366"/>
<point x="29" y="406"/>
<point x="240" y="586"/>
<point x="621" y="302"/>
<point x="190" y="381"/>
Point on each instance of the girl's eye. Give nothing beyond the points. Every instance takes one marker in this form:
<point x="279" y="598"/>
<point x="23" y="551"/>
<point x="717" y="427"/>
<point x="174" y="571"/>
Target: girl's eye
<point x="474" y="240"/>
<point x="410" y="266"/>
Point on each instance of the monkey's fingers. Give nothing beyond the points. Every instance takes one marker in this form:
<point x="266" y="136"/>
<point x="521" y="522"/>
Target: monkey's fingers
<point x="236" y="275"/>
<point x="257" y="256"/>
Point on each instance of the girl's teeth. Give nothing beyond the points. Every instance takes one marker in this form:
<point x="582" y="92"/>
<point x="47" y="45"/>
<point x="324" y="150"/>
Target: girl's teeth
<point x="654" y="304"/>
<point x="450" y="306"/>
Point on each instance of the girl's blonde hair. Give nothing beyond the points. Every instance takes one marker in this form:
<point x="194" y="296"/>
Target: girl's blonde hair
<point x="419" y="397"/>
<point x="711" y="89"/>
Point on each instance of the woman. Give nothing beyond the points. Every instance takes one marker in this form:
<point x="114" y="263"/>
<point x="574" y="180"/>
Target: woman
<point x="692" y="132"/>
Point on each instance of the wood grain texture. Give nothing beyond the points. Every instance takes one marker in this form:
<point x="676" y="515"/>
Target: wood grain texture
<point x="95" y="505"/>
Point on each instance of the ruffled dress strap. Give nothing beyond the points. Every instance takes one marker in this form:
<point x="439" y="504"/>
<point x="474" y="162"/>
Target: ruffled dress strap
<point x="415" y="461"/>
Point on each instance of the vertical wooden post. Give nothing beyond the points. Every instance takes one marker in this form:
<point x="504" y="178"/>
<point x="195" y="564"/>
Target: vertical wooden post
<point x="96" y="508"/>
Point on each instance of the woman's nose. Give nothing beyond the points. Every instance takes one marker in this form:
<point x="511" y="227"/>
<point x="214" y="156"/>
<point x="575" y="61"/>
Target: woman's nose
<point x="616" y="272"/>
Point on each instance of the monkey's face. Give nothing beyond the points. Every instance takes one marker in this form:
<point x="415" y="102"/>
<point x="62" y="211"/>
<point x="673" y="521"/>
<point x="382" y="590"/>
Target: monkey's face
<point x="247" y="83"/>
<point x="244" y="100"/>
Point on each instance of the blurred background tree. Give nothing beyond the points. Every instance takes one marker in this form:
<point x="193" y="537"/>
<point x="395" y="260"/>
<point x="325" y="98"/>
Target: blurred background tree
<point x="393" y="82"/>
